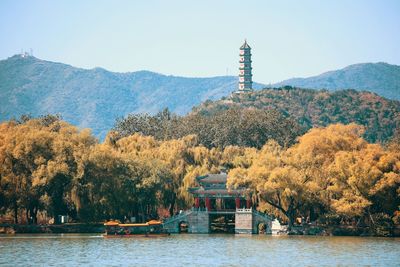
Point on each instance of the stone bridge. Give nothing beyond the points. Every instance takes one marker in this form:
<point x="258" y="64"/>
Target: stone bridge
<point x="197" y="221"/>
<point x="247" y="221"/>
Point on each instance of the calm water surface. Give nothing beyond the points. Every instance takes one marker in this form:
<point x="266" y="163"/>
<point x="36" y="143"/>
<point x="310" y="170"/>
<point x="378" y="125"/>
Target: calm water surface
<point x="198" y="250"/>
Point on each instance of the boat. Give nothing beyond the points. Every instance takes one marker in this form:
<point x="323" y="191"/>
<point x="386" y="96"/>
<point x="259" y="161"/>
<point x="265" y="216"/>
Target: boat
<point x="151" y="228"/>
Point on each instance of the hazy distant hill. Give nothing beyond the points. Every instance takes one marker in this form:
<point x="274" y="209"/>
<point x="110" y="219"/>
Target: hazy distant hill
<point x="380" y="78"/>
<point x="95" y="98"/>
<point x="312" y="108"/>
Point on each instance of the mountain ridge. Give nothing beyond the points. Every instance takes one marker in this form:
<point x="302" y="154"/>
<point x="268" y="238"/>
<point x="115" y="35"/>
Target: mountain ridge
<point x="94" y="98"/>
<point x="381" y="78"/>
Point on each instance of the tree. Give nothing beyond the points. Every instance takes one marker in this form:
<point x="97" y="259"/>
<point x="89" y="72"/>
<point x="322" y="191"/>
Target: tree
<point x="40" y="158"/>
<point x="235" y="126"/>
<point x="365" y="182"/>
<point x="330" y="169"/>
<point x="274" y="181"/>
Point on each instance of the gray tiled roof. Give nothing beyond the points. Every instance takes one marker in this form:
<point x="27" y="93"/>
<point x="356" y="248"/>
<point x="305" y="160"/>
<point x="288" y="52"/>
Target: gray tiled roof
<point x="213" y="178"/>
<point x="217" y="191"/>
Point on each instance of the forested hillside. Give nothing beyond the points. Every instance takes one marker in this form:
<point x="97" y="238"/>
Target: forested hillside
<point x="310" y="108"/>
<point x="237" y="126"/>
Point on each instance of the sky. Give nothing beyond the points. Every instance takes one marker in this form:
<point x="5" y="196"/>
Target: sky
<point x="202" y="38"/>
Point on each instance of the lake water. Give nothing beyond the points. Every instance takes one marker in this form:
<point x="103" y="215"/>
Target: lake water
<point x="198" y="250"/>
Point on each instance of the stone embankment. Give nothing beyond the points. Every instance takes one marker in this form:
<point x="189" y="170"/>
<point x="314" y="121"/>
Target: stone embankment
<point x="342" y="230"/>
<point x="52" y="228"/>
<point x="296" y="230"/>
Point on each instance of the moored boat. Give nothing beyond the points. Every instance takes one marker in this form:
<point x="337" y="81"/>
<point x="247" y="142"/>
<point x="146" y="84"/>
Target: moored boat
<point x="151" y="228"/>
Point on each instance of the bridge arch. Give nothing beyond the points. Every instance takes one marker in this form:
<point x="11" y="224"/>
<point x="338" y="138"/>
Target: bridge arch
<point x="183" y="226"/>
<point x="262" y="222"/>
<point x="261" y="228"/>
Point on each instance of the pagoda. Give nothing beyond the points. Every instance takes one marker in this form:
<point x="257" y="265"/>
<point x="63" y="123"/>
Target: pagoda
<point x="245" y="75"/>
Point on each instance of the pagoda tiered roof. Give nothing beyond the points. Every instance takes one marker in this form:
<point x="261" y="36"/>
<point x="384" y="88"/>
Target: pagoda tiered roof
<point x="245" y="45"/>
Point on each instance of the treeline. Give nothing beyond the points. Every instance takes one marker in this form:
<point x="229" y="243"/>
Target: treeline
<point x="331" y="175"/>
<point x="231" y="127"/>
<point x="49" y="166"/>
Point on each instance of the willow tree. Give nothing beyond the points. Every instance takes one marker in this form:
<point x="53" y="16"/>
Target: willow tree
<point x="11" y="181"/>
<point x="26" y="148"/>
<point x="313" y="155"/>
<point x="274" y="181"/>
<point x="181" y="159"/>
<point x="115" y="186"/>
<point x="146" y="149"/>
<point x="40" y="158"/>
<point x="300" y="176"/>
<point x="366" y="182"/>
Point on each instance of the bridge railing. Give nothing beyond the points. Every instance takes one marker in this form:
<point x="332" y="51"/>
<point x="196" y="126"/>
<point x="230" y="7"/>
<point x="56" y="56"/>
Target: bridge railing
<point x="263" y="215"/>
<point x="244" y="210"/>
<point x="177" y="216"/>
<point x="198" y="209"/>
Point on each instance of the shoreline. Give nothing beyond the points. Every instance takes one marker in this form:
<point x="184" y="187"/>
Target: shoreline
<point x="72" y="228"/>
<point x="99" y="228"/>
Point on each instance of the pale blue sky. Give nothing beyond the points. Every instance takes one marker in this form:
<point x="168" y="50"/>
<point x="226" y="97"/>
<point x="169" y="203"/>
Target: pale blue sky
<point x="201" y="38"/>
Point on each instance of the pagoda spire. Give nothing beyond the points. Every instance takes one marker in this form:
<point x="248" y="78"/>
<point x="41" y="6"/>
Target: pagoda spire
<point x="245" y="69"/>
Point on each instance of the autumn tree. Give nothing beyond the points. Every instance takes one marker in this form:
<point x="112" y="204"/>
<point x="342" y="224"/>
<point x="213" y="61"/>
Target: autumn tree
<point x="331" y="169"/>
<point x="366" y="183"/>
<point x="49" y="165"/>
<point x="274" y="181"/>
<point x="40" y="157"/>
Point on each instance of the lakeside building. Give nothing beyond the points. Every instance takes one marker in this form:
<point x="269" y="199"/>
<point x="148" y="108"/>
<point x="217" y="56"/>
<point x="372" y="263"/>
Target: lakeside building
<point x="218" y="208"/>
<point x="213" y="194"/>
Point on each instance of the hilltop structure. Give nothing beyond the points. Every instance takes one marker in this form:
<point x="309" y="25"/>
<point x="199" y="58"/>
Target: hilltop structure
<point x="245" y="69"/>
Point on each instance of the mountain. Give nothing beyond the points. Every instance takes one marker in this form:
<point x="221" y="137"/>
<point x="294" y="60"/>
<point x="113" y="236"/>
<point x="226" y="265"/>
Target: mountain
<point x="95" y="98"/>
<point x="380" y="78"/>
<point x="312" y="108"/>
